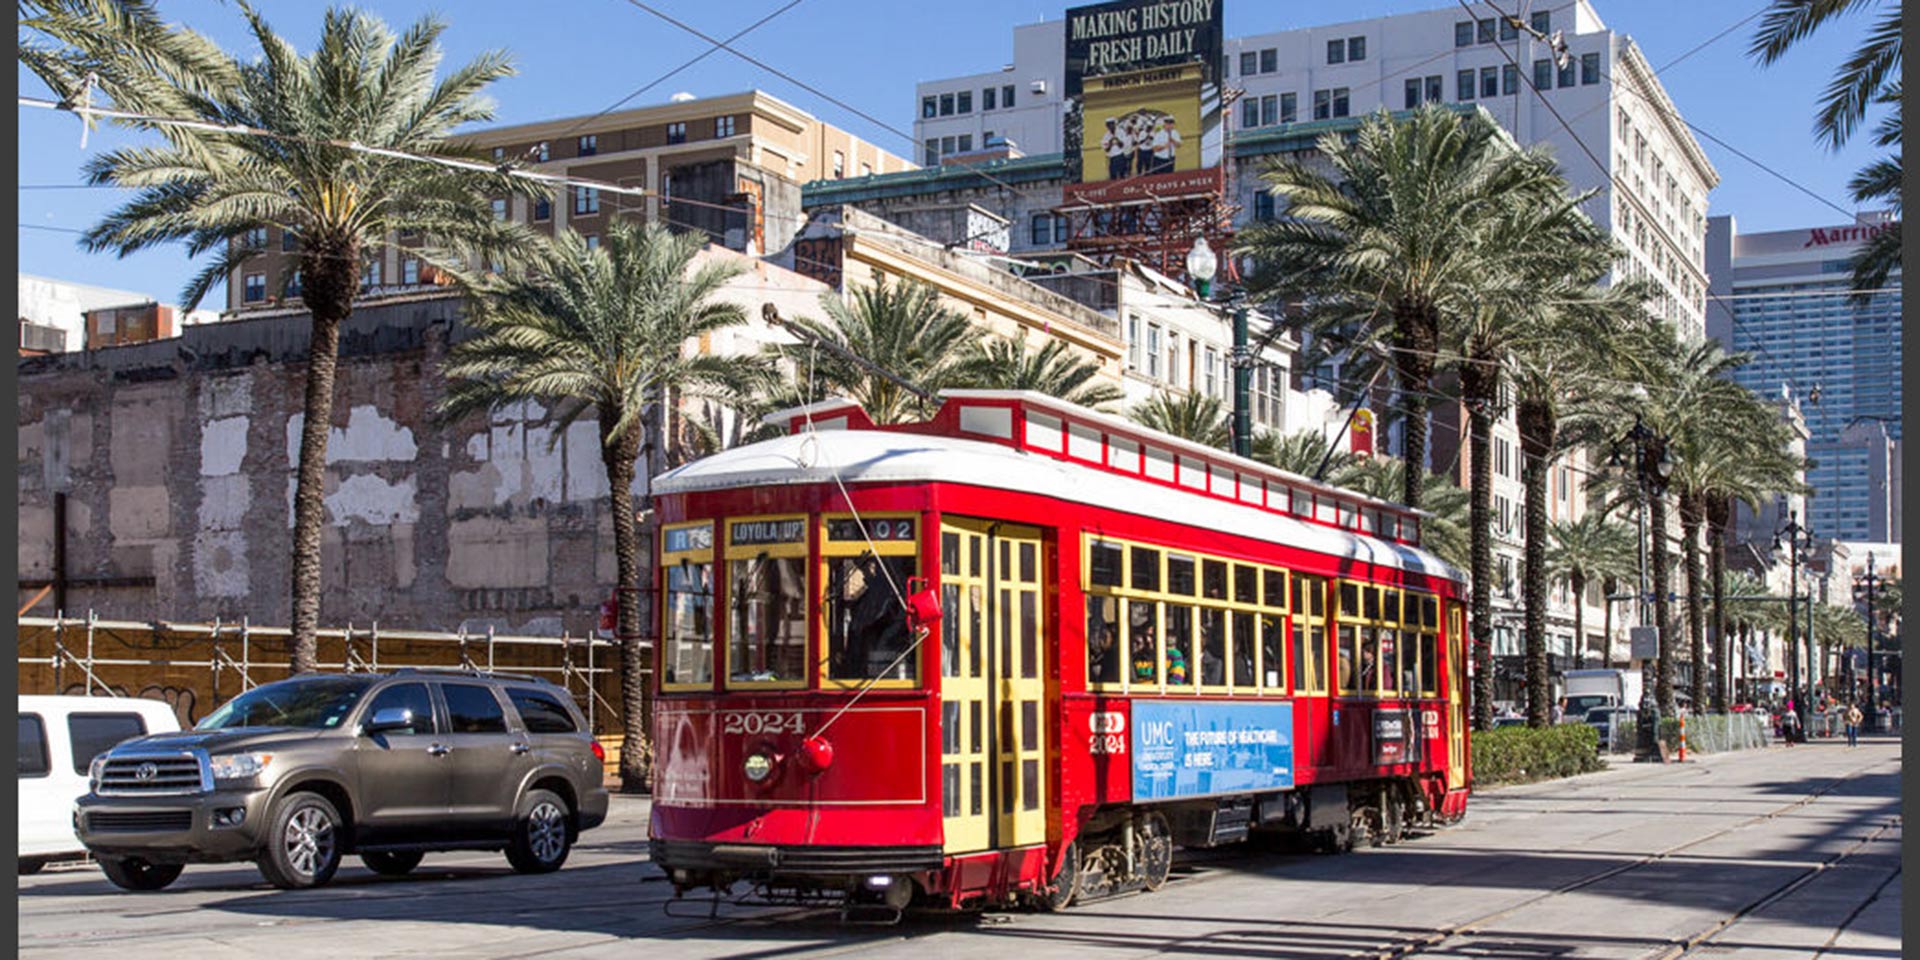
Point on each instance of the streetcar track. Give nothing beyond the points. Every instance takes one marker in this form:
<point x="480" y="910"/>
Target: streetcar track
<point x="1470" y="928"/>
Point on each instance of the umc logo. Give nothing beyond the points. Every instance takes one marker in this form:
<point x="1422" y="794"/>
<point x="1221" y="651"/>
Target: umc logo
<point x="1826" y="236"/>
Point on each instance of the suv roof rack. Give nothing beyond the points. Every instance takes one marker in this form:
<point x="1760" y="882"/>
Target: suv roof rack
<point x="475" y="672"/>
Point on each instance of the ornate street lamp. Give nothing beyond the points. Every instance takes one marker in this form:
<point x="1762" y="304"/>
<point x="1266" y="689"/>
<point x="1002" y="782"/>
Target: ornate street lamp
<point x="1798" y="540"/>
<point x="1863" y="587"/>
<point x="1201" y="266"/>
<point x="1652" y="468"/>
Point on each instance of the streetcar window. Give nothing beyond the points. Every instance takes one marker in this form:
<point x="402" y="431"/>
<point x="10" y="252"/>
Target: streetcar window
<point x="1309" y="634"/>
<point x="1245" y="642"/>
<point x="1246" y="584"/>
<point x="1368" y="682"/>
<point x="1179" y="645"/>
<point x="1411" y="612"/>
<point x="1349" y="599"/>
<point x="1429" y="665"/>
<point x="1276" y="583"/>
<point x="1389" y="660"/>
<point x="1272" y="659"/>
<point x="950" y="730"/>
<point x="1302" y="503"/>
<point x="1103" y="640"/>
<point x="1390" y="605"/>
<point x="1143" y="642"/>
<point x="1370" y="602"/>
<point x="950" y="790"/>
<point x="1429" y="613"/>
<point x="950" y="554"/>
<point x="767" y="632"/>
<point x="689" y="634"/>
<point x="1028" y="558"/>
<point x="1103" y="564"/>
<point x="1213" y="579"/>
<point x="949" y="629"/>
<point x="867" y="634"/>
<point x="1180" y="575"/>
<point x="1213" y="647"/>
<point x="1146" y="568"/>
<point x="1349" y="651"/>
<point x="1029" y="634"/>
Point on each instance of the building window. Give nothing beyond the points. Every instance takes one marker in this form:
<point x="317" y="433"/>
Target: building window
<point x="966" y="142"/>
<point x="933" y="152"/>
<point x="1413" y="93"/>
<point x="1463" y="84"/>
<point x="289" y="241"/>
<point x="1059" y="229"/>
<point x="1133" y="342"/>
<point x="676" y="133"/>
<point x="1289" y="107"/>
<point x="1463" y="33"/>
<point x="1249" y="63"/>
<point x="1006" y="97"/>
<point x="589" y="145"/>
<point x="410" y="271"/>
<point x="1249" y="113"/>
<point x="499" y="153"/>
<point x="1356" y="49"/>
<point x="1509" y="79"/>
<point x="1489" y="82"/>
<point x="1483" y="31"/>
<point x="946" y="146"/>
<point x="593" y="241"/>
<point x="1589" y="69"/>
<point x="1339" y="101"/>
<point x="1212" y="372"/>
<point x="1566" y="74"/>
<point x="1269" y="110"/>
<point x="1336" y="51"/>
<point x="1322" y="104"/>
<point x="1543" y="21"/>
<point x="1153" y="351"/>
<point x="370" y="273"/>
<point x="255" y="286"/>
<point x="929" y="108"/>
<point x="1263" y="205"/>
<point x="256" y="239"/>
<point x="1435" y="93"/>
<point x="965" y="102"/>
<point x="1042" y="229"/>
<point x="946" y="104"/>
<point x="586" y="201"/>
<point x="293" y="285"/>
<point x="499" y="209"/>
<point x="1269" y="60"/>
<point x="542" y="209"/>
<point x="1174" y="369"/>
<point x="1507" y="30"/>
<point x="542" y="152"/>
<point x="1543" y="74"/>
<point x="723" y="126"/>
<point x="839" y="164"/>
<point x="986" y="98"/>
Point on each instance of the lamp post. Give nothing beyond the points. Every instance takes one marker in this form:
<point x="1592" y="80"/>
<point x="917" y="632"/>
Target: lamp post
<point x="1651" y="467"/>
<point x="1865" y="584"/>
<point x="1797" y="539"/>
<point x="1201" y="266"/>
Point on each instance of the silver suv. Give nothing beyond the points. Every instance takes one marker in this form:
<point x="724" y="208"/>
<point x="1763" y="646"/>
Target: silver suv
<point x="293" y="775"/>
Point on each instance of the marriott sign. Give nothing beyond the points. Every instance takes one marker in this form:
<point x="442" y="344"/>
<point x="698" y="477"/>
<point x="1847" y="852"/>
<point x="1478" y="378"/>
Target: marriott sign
<point x="1827" y="236"/>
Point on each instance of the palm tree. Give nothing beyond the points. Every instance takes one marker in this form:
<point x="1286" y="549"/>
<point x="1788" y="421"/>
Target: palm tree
<point x="1302" y="452"/>
<point x="1444" y="530"/>
<point x="902" y="328"/>
<point x="1870" y="75"/>
<point x="997" y="363"/>
<point x="1391" y="245"/>
<point x="603" y="332"/>
<point x="361" y="85"/>
<point x="1593" y="547"/>
<point x="120" y="47"/>
<point x="1191" y="416"/>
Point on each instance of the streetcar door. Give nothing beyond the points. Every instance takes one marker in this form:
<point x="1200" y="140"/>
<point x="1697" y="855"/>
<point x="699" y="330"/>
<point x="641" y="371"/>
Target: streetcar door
<point x="1019" y="688"/>
<point x="1456" y="713"/>
<point x="963" y="687"/>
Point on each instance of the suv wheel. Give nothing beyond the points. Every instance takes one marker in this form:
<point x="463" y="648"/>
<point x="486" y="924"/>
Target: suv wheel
<point x="133" y="873"/>
<point x="303" y="845"/>
<point x="540" y="840"/>
<point x="391" y="863"/>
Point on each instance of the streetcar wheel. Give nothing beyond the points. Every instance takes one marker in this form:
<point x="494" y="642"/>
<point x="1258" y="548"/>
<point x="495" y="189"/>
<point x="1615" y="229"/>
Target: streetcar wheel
<point x="1156" y="850"/>
<point x="1066" y="884"/>
<point x="1393" y="816"/>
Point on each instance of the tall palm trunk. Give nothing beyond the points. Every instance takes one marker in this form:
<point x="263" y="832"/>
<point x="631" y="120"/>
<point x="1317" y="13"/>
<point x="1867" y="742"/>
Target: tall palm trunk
<point x="1717" y="510"/>
<point x="1416" y="336"/>
<point x="619" y="454"/>
<point x="1537" y="430"/>
<point x="1477" y="386"/>
<point x="1607" y="587"/>
<point x="330" y="281"/>
<point x="1690" y="518"/>
<point x="1662" y="605"/>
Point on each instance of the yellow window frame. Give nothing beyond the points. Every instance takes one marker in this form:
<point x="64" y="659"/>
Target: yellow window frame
<point x="1304" y="618"/>
<point x="830" y="549"/>
<point x="669" y="560"/>
<point x="732" y="552"/>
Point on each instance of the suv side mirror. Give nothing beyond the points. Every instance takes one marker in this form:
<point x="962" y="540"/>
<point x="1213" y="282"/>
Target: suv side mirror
<point x="387" y="720"/>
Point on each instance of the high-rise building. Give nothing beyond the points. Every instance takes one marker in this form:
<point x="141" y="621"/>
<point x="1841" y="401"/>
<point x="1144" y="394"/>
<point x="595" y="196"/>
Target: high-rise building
<point x="1783" y="297"/>
<point x="728" y="166"/>
<point x="1600" y="107"/>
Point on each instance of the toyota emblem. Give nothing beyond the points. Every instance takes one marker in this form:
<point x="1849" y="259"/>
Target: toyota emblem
<point x="146" y="771"/>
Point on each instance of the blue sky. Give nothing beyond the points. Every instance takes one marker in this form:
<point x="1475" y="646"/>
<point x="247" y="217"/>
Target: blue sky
<point x="576" y="57"/>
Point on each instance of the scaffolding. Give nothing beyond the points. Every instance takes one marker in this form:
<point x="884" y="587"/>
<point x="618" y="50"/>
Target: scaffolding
<point x="198" y="666"/>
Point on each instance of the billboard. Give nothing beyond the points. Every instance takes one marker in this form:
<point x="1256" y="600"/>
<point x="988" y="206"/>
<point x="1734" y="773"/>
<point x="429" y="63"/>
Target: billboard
<point x="1142" y="89"/>
<point x="1201" y="748"/>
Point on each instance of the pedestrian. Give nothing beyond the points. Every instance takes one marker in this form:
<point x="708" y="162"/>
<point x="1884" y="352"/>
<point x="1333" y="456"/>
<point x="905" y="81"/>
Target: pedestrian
<point x="1853" y="724"/>
<point x="1560" y="711"/>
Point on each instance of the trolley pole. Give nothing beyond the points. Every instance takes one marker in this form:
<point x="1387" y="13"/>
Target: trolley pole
<point x="1242" y="384"/>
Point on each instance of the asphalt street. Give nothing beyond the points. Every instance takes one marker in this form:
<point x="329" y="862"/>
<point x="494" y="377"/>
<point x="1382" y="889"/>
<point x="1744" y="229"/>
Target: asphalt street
<point x="1783" y="852"/>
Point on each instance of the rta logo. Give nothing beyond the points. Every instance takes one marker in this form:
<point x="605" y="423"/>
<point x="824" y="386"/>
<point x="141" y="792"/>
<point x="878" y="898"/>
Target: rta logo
<point x="1109" y="721"/>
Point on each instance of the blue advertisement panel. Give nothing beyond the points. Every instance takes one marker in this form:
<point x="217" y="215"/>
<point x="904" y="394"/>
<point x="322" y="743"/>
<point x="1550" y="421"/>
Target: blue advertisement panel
<point x="1198" y="748"/>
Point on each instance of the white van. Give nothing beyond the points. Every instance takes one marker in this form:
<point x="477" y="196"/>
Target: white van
<point x="59" y="737"/>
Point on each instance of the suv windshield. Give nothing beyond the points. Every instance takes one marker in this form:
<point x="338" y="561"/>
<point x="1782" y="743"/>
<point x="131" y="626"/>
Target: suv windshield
<point x="315" y="703"/>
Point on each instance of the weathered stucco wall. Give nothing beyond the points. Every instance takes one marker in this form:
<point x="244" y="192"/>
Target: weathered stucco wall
<point x="177" y="460"/>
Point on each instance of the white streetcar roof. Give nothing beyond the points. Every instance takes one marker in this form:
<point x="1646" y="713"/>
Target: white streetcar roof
<point x="884" y="456"/>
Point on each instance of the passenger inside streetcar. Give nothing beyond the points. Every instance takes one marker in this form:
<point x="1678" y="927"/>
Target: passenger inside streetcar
<point x="1145" y="654"/>
<point x="1103" y="653"/>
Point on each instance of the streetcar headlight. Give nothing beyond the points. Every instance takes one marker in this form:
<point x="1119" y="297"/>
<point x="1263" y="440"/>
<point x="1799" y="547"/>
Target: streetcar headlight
<point x="758" y="767"/>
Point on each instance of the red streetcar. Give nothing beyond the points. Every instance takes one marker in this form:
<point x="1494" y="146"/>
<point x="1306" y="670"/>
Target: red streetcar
<point x="1020" y="651"/>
